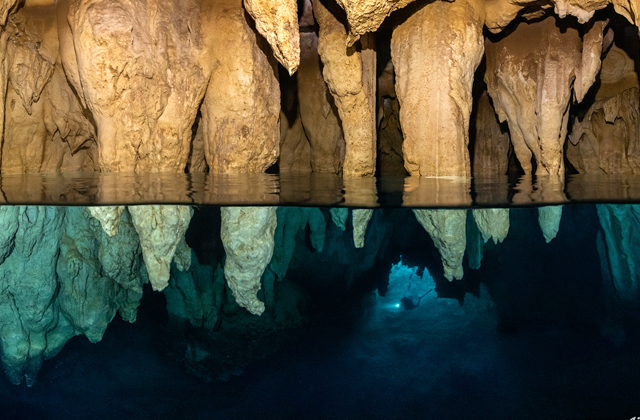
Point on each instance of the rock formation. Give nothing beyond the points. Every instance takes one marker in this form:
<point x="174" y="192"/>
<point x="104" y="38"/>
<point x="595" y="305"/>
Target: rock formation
<point x="435" y="53"/>
<point x="361" y="219"/>
<point x="448" y="231"/>
<point x="247" y="235"/>
<point x="160" y="228"/>
<point x="350" y="74"/>
<point x="530" y="76"/>
<point x="241" y="108"/>
<point x="605" y="139"/>
<point x="277" y="21"/>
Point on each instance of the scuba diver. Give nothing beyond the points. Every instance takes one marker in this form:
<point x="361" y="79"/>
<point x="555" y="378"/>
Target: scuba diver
<point x="407" y="303"/>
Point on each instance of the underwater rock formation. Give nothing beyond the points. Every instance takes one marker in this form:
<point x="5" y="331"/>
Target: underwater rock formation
<point x="247" y="235"/>
<point x="61" y="277"/>
<point x="492" y="223"/>
<point x="350" y="74"/>
<point x="339" y="216"/>
<point x="160" y="228"/>
<point x="617" y="246"/>
<point x="448" y="231"/>
<point x="605" y="139"/>
<point x="109" y="217"/>
<point x="549" y="220"/>
<point x="361" y="219"/>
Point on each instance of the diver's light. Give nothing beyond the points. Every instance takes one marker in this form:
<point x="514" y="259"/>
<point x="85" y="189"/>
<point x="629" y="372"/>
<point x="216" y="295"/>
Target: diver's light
<point x="397" y="305"/>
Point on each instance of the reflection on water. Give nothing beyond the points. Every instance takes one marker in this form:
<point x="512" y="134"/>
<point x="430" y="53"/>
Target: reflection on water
<point x="372" y="329"/>
<point x="93" y="188"/>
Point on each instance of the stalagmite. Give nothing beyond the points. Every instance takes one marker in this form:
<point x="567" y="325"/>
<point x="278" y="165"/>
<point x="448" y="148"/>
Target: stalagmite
<point x="318" y="114"/>
<point x="350" y="74"/>
<point x="241" y="108"/>
<point x="277" y="21"/>
<point x="448" y="231"/>
<point x="530" y="75"/>
<point x="435" y="54"/>
<point x="549" y="220"/>
<point x="141" y="69"/>
<point x="339" y="216"/>
<point x="361" y="219"/>
<point x="161" y="228"/>
<point x="605" y="139"/>
<point x="109" y="217"/>
<point x="492" y="223"/>
<point x="247" y="236"/>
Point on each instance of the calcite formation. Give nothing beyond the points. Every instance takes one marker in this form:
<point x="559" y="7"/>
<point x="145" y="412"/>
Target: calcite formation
<point x="61" y="276"/>
<point x="247" y="235"/>
<point x="605" y="139"/>
<point x="530" y="76"/>
<point x="447" y="228"/>
<point x="241" y="108"/>
<point x="361" y="219"/>
<point x="109" y="217"/>
<point x="350" y="74"/>
<point x="435" y="54"/>
<point x="492" y="223"/>
<point x="277" y="21"/>
<point x="160" y="228"/>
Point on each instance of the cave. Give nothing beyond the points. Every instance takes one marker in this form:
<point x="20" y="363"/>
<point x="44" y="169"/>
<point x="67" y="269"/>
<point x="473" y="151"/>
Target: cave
<point x="285" y="209"/>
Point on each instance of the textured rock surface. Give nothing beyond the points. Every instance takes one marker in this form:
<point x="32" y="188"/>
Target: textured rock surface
<point x="367" y="15"/>
<point x="549" y="220"/>
<point x="606" y="139"/>
<point x="361" y="219"/>
<point x="492" y="223"/>
<point x="491" y="147"/>
<point x="109" y="217"/>
<point x="448" y="231"/>
<point x="530" y="75"/>
<point x="339" y="216"/>
<point x="241" y="107"/>
<point x="435" y="54"/>
<point x="160" y="228"/>
<point x="618" y="244"/>
<point x="277" y="21"/>
<point x="350" y="74"/>
<point x="139" y="68"/>
<point x="247" y="236"/>
<point x="318" y="115"/>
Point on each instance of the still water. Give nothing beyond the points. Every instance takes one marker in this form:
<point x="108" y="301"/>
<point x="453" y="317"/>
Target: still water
<point x="533" y="330"/>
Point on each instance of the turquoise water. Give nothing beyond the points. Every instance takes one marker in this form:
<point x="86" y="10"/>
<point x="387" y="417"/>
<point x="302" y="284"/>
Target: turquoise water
<point x="536" y="330"/>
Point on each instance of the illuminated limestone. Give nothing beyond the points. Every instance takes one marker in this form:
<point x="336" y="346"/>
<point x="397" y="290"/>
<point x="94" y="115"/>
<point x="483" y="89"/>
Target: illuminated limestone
<point x="350" y="74"/>
<point x="530" y="75"/>
<point x="318" y="115"/>
<point x="247" y="236"/>
<point x="367" y="15"/>
<point x="241" y="108"/>
<point x="139" y="68"/>
<point x="339" y="216"/>
<point x="435" y="54"/>
<point x="160" y="228"/>
<point x="277" y="21"/>
<point x="606" y="139"/>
